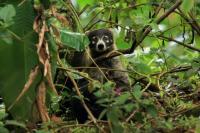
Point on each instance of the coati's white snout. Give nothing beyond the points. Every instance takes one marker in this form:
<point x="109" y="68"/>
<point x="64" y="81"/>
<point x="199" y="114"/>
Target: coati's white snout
<point x="100" y="46"/>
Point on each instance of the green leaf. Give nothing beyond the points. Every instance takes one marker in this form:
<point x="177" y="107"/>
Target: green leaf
<point x="3" y="114"/>
<point x="122" y="98"/>
<point x="129" y="107"/>
<point x="187" y="5"/>
<point x="142" y="67"/>
<point x="113" y="115"/>
<point x="152" y="110"/>
<point x="74" y="40"/>
<point x="94" y="85"/>
<point x="83" y="3"/>
<point x="6" y="36"/>
<point x="7" y="13"/>
<point x="137" y="92"/>
<point x="17" y="60"/>
<point x="55" y="100"/>
<point x="108" y="85"/>
<point x="121" y="44"/>
<point x="3" y="130"/>
<point x="15" y="123"/>
<point x="197" y="129"/>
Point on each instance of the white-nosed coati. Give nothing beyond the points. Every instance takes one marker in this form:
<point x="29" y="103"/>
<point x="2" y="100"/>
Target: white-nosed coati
<point x="101" y="43"/>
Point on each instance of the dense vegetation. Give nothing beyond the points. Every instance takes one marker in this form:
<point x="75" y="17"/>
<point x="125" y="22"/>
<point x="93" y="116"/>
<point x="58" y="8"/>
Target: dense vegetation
<point x="160" y="41"/>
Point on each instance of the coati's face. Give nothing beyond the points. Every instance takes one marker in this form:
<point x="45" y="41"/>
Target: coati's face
<point x="100" y="41"/>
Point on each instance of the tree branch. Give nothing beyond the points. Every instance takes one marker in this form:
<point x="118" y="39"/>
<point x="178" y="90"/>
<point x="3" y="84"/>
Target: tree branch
<point x="172" y="70"/>
<point x="178" y="42"/>
<point x="191" y="21"/>
<point x="145" y="33"/>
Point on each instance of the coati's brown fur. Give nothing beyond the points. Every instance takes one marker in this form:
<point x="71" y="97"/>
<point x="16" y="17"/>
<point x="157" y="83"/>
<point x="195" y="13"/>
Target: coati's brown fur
<point x="101" y="43"/>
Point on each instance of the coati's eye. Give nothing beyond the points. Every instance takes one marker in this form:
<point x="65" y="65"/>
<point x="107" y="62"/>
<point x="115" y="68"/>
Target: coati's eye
<point x="106" y="39"/>
<point x="94" y="38"/>
<point x="93" y="41"/>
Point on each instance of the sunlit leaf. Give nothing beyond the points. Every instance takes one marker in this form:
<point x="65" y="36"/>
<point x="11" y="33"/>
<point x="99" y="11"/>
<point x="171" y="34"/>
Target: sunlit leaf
<point x="83" y="3"/>
<point x="74" y="40"/>
<point x="121" y="44"/>
<point x="7" y="13"/>
<point x="187" y="5"/>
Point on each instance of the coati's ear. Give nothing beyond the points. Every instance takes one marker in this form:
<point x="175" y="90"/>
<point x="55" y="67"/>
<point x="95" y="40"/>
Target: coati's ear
<point x="110" y="29"/>
<point x="87" y="33"/>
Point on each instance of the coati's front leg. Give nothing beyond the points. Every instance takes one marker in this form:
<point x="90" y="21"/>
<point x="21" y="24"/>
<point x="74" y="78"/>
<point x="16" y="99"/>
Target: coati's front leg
<point x="118" y="75"/>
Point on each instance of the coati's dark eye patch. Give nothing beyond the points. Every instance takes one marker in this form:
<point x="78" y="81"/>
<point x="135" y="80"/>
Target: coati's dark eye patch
<point x="107" y="40"/>
<point x="94" y="40"/>
<point x="94" y="37"/>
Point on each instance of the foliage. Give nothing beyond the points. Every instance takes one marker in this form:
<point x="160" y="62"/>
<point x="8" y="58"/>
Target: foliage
<point x="40" y="37"/>
<point x="18" y="56"/>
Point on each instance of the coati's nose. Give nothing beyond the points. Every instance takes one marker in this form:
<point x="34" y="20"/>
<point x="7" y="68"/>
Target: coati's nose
<point x="101" y="47"/>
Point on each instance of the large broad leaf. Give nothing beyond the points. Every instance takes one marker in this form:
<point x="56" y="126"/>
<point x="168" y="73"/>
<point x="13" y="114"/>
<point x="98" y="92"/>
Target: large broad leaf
<point x="7" y="13"/>
<point x="187" y="5"/>
<point x="74" y="40"/>
<point x="17" y="58"/>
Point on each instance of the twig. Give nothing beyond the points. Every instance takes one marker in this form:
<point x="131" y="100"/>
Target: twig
<point x="83" y="10"/>
<point x="103" y="68"/>
<point x="75" y="14"/>
<point x="178" y="42"/>
<point x="21" y="3"/>
<point x="77" y="72"/>
<point x="81" y="97"/>
<point x="156" y="87"/>
<point x="131" y="116"/>
<point x="83" y="103"/>
<point x="67" y="126"/>
<point x="146" y="32"/>
<point x="159" y="20"/>
<point x="94" y="62"/>
<point x="172" y="9"/>
<point x="158" y="8"/>
<point x="105" y="21"/>
<point x="158" y="83"/>
<point x="173" y="70"/>
<point x="192" y="22"/>
<point x="86" y="28"/>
